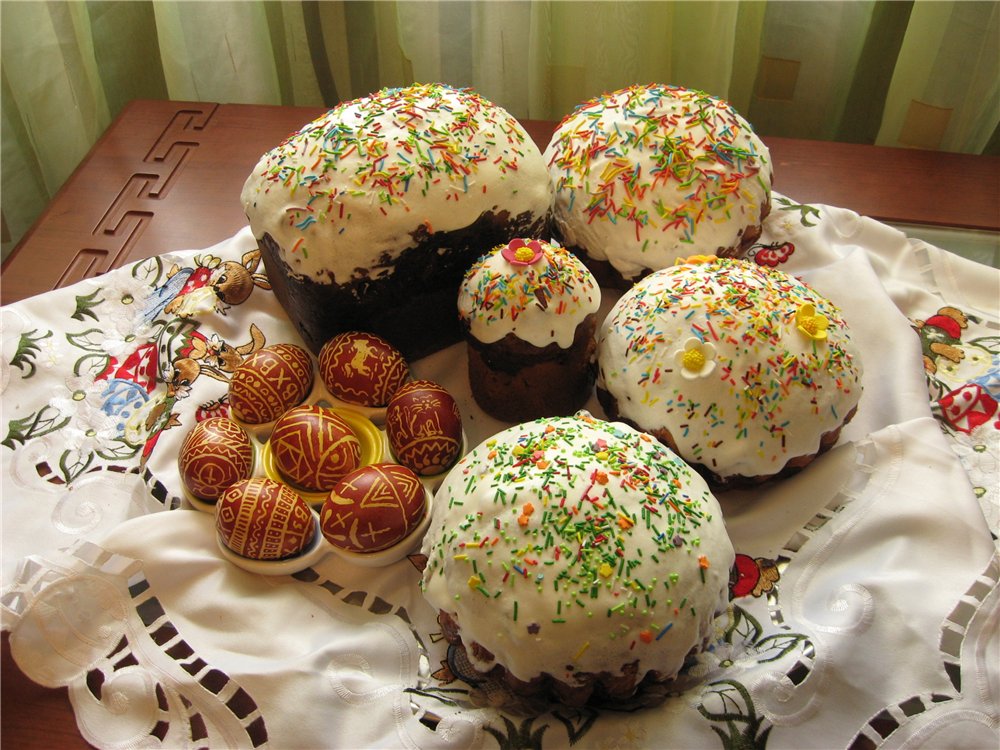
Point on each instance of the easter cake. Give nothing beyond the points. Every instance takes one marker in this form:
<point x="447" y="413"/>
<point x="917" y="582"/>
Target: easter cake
<point x="368" y="217"/>
<point x="744" y="371"/>
<point x="647" y="174"/>
<point x="529" y="312"/>
<point x="575" y="561"/>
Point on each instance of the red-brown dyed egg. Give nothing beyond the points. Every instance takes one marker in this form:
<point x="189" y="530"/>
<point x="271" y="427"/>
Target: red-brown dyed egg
<point x="215" y="454"/>
<point x="269" y="381"/>
<point x="361" y="368"/>
<point x="424" y="427"/>
<point x="264" y="520"/>
<point x="314" y="447"/>
<point x="373" y="508"/>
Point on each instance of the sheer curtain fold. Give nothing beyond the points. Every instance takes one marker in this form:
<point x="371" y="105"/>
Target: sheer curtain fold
<point x="911" y="73"/>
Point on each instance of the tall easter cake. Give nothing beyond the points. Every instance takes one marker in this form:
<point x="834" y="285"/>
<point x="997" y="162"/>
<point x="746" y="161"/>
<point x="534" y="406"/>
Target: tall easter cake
<point x="368" y="217"/>
<point x="529" y="312"/>
<point x="575" y="560"/>
<point x="647" y="174"/>
<point x="744" y="371"/>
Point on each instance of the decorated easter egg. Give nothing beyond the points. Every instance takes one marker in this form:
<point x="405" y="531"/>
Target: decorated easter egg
<point x="269" y="381"/>
<point x="361" y="368"/>
<point x="314" y="447"/>
<point x="215" y="454"/>
<point x="263" y="519"/>
<point x="373" y="508"/>
<point x="424" y="427"/>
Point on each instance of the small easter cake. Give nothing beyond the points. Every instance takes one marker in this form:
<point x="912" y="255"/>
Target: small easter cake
<point x="744" y="371"/>
<point x="367" y="217"/>
<point x="529" y="313"/>
<point x="575" y="561"/>
<point x="647" y="174"/>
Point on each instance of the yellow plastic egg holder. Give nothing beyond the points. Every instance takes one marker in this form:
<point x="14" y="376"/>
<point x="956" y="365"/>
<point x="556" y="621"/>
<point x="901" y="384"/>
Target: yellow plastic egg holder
<point x="371" y="439"/>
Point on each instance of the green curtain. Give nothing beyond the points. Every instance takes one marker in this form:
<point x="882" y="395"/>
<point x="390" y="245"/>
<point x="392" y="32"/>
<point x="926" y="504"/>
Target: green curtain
<point x="920" y="74"/>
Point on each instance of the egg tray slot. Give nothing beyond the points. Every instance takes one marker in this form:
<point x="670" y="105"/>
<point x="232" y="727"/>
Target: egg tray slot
<point x="318" y="548"/>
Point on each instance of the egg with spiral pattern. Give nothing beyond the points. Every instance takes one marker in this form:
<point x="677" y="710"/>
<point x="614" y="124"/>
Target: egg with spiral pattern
<point x="424" y="427"/>
<point x="262" y="519"/>
<point x="215" y="454"/>
<point x="362" y="368"/>
<point x="313" y="447"/>
<point x="373" y="508"/>
<point x="270" y="381"/>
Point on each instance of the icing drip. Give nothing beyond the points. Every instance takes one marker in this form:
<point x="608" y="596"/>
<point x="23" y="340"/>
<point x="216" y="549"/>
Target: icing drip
<point x="358" y="182"/>
<point x="540" y="301"/>
<point x="785" y="367"/>
<point x="572" y="545"/>
<point x="646" y="174"/>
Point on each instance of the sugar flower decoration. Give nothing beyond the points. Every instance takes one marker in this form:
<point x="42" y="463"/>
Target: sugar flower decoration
<point x="522" y="252"/>
<point x="811" y="323"/>
<point x="695" y="260"/>
<point x="696" y="359"/>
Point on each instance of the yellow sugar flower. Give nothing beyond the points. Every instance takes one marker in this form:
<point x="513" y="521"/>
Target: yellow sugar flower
<point x="811" y="323"/>
<point x="695" y="260"/>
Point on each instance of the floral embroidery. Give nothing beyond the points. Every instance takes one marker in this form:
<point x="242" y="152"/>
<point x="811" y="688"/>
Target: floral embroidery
<point x="811" y="323"/>
<point x="696" y="359"/>
<point x="771" y="255"/>
<point x="136" y="359"/>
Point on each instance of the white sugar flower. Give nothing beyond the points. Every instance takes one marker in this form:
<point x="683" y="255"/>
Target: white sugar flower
<point x="696" y="359"/>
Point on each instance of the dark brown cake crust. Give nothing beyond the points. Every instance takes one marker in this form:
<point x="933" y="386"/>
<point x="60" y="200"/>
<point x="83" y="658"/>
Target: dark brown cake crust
<point x="413" y="306"/>
<point x="515" y="381"/>
<point x="735" y="481"/>
<point x="540" y="693"/>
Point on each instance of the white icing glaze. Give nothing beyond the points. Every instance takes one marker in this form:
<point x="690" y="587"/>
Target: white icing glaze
<point x="343" y="196"/>
<point x="539" y="302"/>
<point x="648" y="174"/>
<point x="523" y="550"/>
<point x="773" y="390"/>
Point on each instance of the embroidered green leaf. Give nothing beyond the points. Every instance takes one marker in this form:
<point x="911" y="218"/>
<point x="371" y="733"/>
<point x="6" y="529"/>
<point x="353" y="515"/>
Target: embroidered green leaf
<point x="118" y="450"/>
<point x="91" y="364"/>
<point x="27" y="350"/>
<point x="518" y="737"/>
<point x="85" y="304"/>
<point x="72" y="463"/>
<point x="729" y="703"/>
<point x="42" y="422"/>
<point x="578" y="724"/>
<point x="773" y="647"/>
<point x="89" y="340"/>
<point x="149" y="270"/>
<point x="743" y="625"/>
<point x="805" y="211"/>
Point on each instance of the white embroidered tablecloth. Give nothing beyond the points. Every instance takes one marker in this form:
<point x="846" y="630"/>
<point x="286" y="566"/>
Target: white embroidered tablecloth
<point x="868" y="617"/>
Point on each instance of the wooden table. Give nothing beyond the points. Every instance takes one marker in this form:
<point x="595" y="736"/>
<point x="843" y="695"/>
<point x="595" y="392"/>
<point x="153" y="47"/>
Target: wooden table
<point x="167" y="176"/>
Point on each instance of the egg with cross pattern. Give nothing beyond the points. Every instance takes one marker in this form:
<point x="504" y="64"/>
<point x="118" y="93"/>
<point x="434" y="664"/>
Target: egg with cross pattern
<point x="373" y="508"/>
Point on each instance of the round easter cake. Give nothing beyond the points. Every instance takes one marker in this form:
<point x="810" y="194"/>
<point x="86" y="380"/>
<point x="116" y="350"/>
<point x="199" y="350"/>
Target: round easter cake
<point x="647" y="174"/>
<point x="368" y="217"/>
<point x="529" y="313"/>
<point x="575" y="560"/>
<point x="744" y="371"/>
